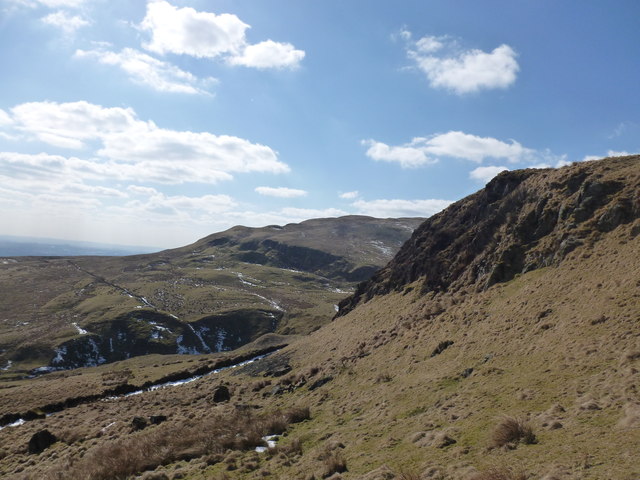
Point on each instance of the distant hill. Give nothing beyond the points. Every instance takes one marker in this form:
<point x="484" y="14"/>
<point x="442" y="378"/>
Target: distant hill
<point x="217" y="294"/>
<point x="11" y="246"/>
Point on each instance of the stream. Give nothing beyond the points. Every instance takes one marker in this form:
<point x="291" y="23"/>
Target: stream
<point x="13" y="420"/>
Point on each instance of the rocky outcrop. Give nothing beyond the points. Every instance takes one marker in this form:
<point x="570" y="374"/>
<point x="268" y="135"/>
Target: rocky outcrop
<point x="522" y="220"/>
<point x="146" y="332"/>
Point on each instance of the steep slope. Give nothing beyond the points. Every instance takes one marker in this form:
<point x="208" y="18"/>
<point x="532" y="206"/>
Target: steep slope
<point x="217" y="294"/>
<point x="519" y="222"/>
<point x="530" y="374"/>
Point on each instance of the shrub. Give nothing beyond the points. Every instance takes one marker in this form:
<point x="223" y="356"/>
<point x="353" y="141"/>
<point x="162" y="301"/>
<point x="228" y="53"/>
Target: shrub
<point x="512" y="430"/>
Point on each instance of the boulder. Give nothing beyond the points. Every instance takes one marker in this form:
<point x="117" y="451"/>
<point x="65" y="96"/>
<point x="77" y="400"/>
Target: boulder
<point x="221" y="394"/>
<point x="40" y="441"/>
<point x="139" y="423"/>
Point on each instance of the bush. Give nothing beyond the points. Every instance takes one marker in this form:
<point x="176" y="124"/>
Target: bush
<point x="512" y="430"/>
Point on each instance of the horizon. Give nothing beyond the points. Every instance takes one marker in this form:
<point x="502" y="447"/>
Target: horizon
<point x="128" y="126"/>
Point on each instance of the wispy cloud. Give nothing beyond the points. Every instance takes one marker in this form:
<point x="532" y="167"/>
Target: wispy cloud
<point x="426" y="150"/>
<point x="146" y="70"/>
<point x="66" y="22"/>
<point x="281" y="192"/>
<point x="349" y="195"/>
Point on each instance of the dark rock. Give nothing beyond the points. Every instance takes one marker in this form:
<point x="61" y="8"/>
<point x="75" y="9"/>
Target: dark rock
<point x="277" y="390"/>
<point x="442" y="346"/>
<point x="157" y="419"/>
<point x="139" y="423"/>
<point x="221" y="394"/>
<point x="40" y="441"/>
<point x="444" y="441"/>
<point x="319" y="383"/>
<point x="466" y="372"/>
<point x="278" y="371"/>
<point x="615" y="215"/>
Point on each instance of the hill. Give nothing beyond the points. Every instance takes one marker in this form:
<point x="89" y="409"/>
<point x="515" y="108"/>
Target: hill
<point x="214" y="295"/>
<point x="502" y="342"/>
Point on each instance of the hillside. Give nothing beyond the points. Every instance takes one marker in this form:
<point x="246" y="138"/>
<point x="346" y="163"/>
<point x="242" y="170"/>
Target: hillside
<point x="214" y="295"/>
<point x="502" y="342"/>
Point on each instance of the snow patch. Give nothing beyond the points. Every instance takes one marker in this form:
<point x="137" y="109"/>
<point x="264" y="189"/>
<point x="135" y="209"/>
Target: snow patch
<point x="198" y="333"/>
<point x="7" y="366"/>
<point x="80" y="330"/>
<point x="17" y="423"/>
<point x="221" y="336"/>
<point x="183" y="349"/>
<point x="273" y="303"/>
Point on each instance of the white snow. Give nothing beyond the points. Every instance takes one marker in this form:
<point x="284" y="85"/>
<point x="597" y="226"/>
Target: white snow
<point x="80" y="330"/>
<point x="271" y="441"/>
<point x="7" y="366"/>
<point x="221" y="336"/>
<point x="17" y="423"/>
<point x="273" y="303"/>
<point x="198" y="334"/>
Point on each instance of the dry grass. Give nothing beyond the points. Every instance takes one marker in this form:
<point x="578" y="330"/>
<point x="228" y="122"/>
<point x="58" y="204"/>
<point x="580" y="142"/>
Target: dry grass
<point x="512" y="430"/>
<point x="169" y="443"/>
<point x="500" y="473"/>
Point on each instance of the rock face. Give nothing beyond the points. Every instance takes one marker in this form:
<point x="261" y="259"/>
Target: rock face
<point x="521" y="221"/>
<point x="40" y="441"/>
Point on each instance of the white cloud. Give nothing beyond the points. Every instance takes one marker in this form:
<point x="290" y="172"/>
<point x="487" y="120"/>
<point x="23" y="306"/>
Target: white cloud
<point x="423" y="150"/>
<point x="472" y="147"/>
<point x="133" y="147"/>
<point x="5" y="119"/>
<point x="146" y="70"/>
<point x="485" y="174"/>
<point x="269" y="54"/>
<point x="281" y="192"/>
<point x="350" y="195"/>
<point x="408" y="156"/>
<point x="618" y="153"/>
<point x="187" y="31"/>
<point x="65" y="22"/>
<point x="430" y="44"/>
<point x="463" y="71"/>
<point x="400" y="208"/>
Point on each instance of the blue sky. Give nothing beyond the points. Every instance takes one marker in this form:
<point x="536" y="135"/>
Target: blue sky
<point x="159" y="122"/>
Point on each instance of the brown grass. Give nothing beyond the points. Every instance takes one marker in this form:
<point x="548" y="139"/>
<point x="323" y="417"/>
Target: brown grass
<point x="512" y="430"/>
<point x="500" y="473"/>
<point x="169" y="443"/>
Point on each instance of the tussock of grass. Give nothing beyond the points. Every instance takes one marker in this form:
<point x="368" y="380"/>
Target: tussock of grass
<point x="512" y="430"/>
<point x="166" y="444"/>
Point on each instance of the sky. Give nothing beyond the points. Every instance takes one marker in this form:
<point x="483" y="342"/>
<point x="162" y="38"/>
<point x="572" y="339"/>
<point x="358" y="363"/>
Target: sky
<point x="159" y="122"/>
